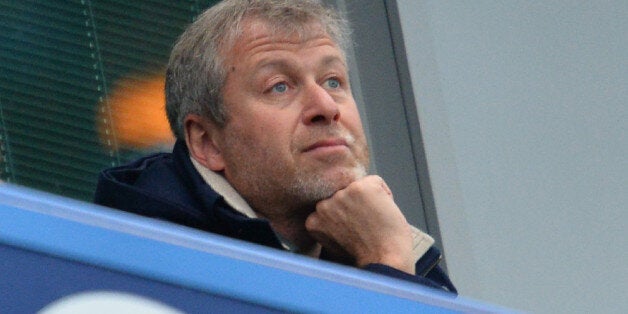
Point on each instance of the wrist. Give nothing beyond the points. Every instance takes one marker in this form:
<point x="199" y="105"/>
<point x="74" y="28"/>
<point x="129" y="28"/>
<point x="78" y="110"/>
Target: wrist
<point x="403" y="263"/>
<point x="400" y="260"/>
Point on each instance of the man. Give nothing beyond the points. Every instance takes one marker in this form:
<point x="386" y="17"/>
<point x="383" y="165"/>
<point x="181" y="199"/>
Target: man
<point x="270" y="148"/>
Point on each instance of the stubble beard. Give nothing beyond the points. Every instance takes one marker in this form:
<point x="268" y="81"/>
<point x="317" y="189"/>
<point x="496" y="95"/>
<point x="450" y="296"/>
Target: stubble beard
<point x="272" y="190"/>
<point x="312" y="188"/>
<point x="296" y="195"/>
<point x="323" y="178"/>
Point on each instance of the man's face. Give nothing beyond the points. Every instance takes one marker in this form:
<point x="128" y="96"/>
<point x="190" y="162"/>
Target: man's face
<point x="293" y="134"/>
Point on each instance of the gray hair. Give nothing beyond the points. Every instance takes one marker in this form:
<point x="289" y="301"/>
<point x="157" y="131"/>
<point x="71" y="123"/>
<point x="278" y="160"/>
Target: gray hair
<point x="196" y="76"/>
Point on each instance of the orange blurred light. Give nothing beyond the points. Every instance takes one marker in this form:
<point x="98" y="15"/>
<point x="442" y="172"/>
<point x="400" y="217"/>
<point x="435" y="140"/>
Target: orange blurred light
<point x="134" y="114"/>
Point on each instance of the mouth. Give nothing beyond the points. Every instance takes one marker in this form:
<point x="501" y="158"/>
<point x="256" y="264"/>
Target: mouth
<point x="327" y="145"/>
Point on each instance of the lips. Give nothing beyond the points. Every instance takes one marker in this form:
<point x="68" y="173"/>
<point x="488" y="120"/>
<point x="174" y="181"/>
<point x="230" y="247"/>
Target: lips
<point x="327" y="143"/>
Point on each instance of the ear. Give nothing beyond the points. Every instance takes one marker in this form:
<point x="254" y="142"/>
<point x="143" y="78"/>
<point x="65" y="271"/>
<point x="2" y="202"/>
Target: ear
<point x="201" y="137"/>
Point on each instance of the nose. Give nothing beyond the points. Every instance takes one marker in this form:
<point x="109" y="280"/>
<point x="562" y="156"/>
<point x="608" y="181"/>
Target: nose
<point x="319" y="106"/>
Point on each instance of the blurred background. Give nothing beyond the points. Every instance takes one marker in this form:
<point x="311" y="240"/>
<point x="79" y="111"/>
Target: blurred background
<point x="81" y="87"/>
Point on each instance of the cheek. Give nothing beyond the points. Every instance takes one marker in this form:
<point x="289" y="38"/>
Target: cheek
<point x="276" y="126"/>
<point x="353" y="122"/>
<point x="267" y="136"/>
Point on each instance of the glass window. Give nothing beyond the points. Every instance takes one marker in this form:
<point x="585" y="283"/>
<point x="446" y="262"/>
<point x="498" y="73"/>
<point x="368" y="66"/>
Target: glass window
<point x="81" y="87"/>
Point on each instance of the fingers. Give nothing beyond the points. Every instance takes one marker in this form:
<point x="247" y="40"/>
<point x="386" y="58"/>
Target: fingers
<point x="334" y="251"/>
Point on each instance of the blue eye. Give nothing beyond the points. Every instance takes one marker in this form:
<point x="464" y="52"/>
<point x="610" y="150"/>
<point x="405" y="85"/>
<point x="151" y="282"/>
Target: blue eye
<point x="280" y="88"/>
<point x="333" y="83"/>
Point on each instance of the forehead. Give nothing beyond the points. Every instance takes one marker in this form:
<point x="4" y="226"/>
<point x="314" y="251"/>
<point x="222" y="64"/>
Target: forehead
<point x="256" y="34"/>
<point x="252" y="27"/>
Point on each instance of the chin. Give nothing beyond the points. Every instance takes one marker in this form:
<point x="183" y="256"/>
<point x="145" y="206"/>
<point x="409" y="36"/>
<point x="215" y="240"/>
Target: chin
<point x="316" y="187"/>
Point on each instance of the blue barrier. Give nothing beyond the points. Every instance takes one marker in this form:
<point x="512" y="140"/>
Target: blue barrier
<point x="53" y="247"/>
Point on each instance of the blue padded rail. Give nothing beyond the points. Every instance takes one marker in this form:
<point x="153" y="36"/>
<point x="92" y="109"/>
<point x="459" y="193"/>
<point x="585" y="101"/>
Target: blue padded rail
<point x="52" y="247"/>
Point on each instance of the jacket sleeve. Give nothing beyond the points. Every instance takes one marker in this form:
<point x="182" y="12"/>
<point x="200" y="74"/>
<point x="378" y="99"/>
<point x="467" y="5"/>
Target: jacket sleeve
<point x="428" y="273"/>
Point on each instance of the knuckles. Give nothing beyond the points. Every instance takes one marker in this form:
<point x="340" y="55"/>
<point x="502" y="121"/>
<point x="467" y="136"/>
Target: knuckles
<point x="368" y="185"/>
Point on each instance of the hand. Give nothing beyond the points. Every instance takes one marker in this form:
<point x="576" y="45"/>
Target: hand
<point x="363" y="222"/>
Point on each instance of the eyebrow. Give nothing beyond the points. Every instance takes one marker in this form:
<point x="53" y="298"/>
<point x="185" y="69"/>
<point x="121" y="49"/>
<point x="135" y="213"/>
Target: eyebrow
<point x="330" y="59"/>
<point x="273" y="64"/>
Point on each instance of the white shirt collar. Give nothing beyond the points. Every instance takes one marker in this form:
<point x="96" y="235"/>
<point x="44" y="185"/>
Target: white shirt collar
<point x="222" y="187"/>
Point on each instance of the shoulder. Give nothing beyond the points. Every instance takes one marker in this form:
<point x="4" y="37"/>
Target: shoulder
<point x="159" y="186"/>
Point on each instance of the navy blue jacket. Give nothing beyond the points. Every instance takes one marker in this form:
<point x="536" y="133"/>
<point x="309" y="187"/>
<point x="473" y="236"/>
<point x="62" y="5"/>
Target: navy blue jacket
<point x="167" y="186"/>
